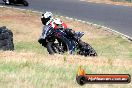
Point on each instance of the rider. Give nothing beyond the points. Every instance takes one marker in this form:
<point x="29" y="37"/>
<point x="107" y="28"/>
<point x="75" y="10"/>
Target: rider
<point x="7" y="2"/>
<point x="55" y="23"/>
<point x="47" y="19"/>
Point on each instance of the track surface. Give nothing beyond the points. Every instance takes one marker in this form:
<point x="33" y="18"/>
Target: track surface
<point x="118" y="18"/>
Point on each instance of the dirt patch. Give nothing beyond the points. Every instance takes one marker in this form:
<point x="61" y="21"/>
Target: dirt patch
<point x="27" y="27"/>
<point x="21" y="24"/>
<point x="59" y="60"/>
<point x="109" y="2"/>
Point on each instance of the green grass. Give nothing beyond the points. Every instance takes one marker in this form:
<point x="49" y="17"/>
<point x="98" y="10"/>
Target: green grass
<point x="30" y="65"/>
<point x="28" y="74"/>
<point x="38" y="74"/>
<point x="114" y="47"/>
<point x="30" y="46"/>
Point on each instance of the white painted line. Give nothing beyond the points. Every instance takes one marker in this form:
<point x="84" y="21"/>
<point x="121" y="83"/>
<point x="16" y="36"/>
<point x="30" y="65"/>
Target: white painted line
<point x="90" y="23"/>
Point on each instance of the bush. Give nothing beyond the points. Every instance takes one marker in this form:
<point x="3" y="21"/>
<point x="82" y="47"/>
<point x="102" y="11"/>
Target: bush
<point x="6" y="39"/>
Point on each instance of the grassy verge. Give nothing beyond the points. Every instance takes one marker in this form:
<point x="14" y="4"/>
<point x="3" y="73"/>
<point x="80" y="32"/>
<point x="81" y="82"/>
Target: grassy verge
<point x="30" y="66"/>
<point x="122" y="1"/>
<point x="114" y="2"/>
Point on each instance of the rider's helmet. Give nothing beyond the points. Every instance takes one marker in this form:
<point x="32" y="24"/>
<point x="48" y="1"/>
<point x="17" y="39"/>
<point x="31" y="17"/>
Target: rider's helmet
<point x="58" y="22"/>
<point x="46" y="17"/>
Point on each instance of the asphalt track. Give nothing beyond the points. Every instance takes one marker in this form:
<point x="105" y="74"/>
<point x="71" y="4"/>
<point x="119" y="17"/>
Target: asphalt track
<point x="118" y="18"/>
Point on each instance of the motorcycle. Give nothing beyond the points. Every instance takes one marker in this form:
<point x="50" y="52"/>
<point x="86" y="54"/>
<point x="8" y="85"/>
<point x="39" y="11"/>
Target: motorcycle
<point x="58" y="41"/>
<point x="23" y="2"/>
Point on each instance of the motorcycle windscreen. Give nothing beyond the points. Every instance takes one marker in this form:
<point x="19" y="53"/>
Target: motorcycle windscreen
<point x="79" y="34"/>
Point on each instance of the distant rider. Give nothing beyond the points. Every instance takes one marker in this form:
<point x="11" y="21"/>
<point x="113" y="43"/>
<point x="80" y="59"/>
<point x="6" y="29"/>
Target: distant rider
<point x="7" y="2"/>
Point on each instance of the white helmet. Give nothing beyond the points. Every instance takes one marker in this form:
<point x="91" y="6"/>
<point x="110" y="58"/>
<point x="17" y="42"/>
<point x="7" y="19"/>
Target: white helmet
<point x="46" y="17"/>
<point x="57" y="21"/>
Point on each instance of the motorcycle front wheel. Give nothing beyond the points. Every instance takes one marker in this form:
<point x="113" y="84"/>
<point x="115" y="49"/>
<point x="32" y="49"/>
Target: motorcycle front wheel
<point x="87" y="50"/>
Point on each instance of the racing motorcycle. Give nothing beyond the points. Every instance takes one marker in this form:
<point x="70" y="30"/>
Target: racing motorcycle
<point x="23" y="2"/>
<point x="58" y="41"/>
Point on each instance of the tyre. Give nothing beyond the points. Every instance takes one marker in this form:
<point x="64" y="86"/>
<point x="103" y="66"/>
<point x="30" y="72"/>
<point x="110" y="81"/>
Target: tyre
<point x="6" y="39"/>
<point x="4" y="42"/>
<point x="25" y="3"/>
<point x="91" y="51"/>
<point x="1" y="37"/>
<point x="10" y="33"/>
<point x="1" y="44"/>
<point x="4" y="48"/>
<point x="4" y="36"/>
<point x="86" y="50"/>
